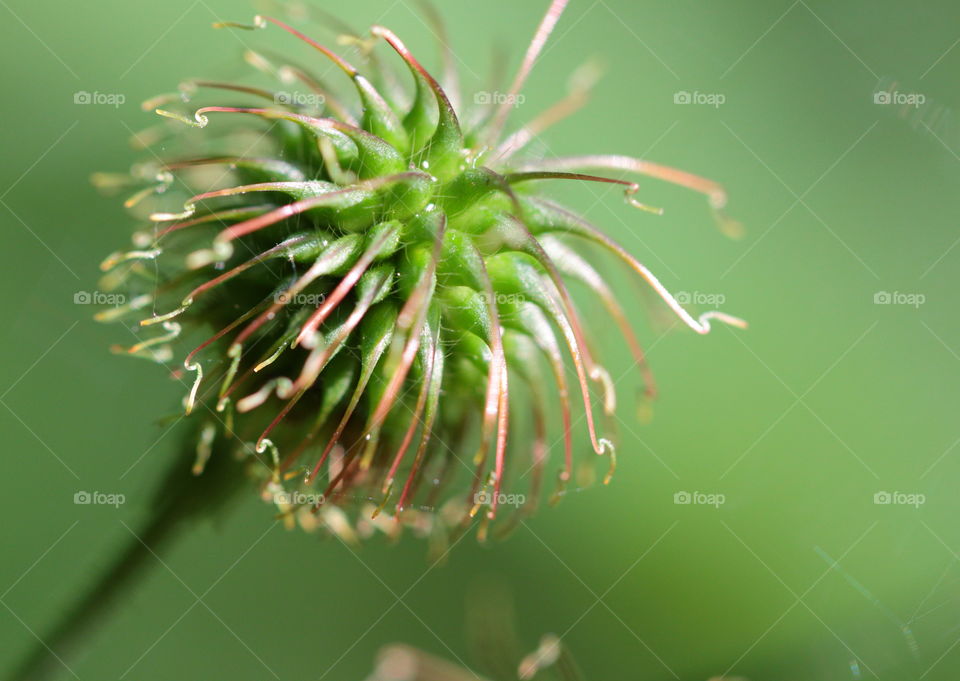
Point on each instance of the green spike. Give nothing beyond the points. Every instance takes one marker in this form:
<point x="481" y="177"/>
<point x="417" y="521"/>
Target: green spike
<point x="443" y="156"/>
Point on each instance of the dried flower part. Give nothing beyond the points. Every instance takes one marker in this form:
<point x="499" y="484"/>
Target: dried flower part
<point x="357" y="284"/>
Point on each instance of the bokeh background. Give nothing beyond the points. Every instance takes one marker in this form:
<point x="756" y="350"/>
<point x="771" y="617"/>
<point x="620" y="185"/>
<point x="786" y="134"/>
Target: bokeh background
<point x="845" y="385"/>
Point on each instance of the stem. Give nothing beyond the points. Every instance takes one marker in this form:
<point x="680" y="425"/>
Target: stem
<point x="181" y="497"/>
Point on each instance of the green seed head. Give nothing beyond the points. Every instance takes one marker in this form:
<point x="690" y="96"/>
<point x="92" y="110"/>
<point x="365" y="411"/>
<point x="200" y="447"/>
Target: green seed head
<point x="352" y="286"/>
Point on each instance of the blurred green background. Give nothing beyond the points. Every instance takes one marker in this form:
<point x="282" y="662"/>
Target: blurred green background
<point x="830" y="397"/>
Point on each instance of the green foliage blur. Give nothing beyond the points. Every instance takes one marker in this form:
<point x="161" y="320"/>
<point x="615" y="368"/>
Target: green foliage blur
<point x="828" y="428"/>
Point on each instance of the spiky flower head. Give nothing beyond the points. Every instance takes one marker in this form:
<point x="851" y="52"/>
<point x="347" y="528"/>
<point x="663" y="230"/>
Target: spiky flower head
<point x="380" y="275"/>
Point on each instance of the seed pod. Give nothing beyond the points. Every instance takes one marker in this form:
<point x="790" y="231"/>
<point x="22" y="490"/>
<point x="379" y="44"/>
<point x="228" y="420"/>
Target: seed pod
<point x="375" y="280"/>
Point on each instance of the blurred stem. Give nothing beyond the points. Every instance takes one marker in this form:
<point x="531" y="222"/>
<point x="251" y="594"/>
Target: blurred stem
<point x="180" y="498"/>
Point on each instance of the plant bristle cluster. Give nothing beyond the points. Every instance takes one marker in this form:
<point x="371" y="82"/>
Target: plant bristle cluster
<point x="379" y="275"/>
